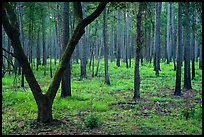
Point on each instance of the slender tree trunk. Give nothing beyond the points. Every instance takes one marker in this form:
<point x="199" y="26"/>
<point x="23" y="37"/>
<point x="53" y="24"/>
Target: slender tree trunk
<point x="187" y="76"/>
<point x="118" y="47"/>
<point x="9" y="57"/>
<point x="138" y="48"/>
<point x="98" y="64"/>
<point x="196" y="39"/>
<point x="38" y="50"/>
<point x="179" y="55"/>
<point x="193" y="46"/>
<point x="66" y="78"/>
<point x="200" y="63"/>
<point x="150" y="44"/>
<point x="173" y="37"/>
<point x="107" y="80"/>
<point x="157" y="38"/>
<point x="168" y="34"/>
<point x="43" y="41"/>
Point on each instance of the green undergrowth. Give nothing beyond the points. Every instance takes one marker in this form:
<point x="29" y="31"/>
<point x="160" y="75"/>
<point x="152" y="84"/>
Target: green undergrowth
<point x="108" y="108"/>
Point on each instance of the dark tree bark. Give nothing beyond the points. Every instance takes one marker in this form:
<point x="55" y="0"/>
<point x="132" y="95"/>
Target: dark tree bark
<point x="107" y="80"/>
<point x="44" y="101"/>
<point x="118" y="41"/>
<point x="200" y="62"/>
<point x="66" y="78"/>
<point x="157" y="38"/>
<point x="138" y="48"/>
<point x="193" y="46"/>
<point x="187" y="76"/>
<point x="38" y="50"/>
<point x="9" y="56"/>
<point x="179" y="55"/>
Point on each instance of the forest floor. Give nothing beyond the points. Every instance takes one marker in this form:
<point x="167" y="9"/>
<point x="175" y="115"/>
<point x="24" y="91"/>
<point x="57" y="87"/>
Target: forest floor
<point x="157" y="112"/>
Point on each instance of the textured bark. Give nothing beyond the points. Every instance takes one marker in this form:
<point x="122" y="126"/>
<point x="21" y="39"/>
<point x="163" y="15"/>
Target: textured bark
<point x="179" y="55"/>
<point x="107" y="80"/>
<point x="138" y="48"/>
<point x="66" y="78"/>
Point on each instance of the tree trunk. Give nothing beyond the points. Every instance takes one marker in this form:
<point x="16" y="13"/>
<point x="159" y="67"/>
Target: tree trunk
<point x="118" y="39"/>
<point x="168" y="34"/>
<point x="179" y="55"/>
<point x="187" y="76"/>
<point x="157" y="38"/>
<point x="44" y="102"/>
<point x="43" y="41"/>
<point x="138" y="48"/>
<point x="173" y="37"/>
<point x="38" y="50"/>
<point x="193" y="46"/>
<point x="66" y="78"/>
<point x="107" y="80"/>
<point x="150" y="44"/>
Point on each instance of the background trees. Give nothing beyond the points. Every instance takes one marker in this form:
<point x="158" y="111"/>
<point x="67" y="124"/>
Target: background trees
<point x="45" y="29"/>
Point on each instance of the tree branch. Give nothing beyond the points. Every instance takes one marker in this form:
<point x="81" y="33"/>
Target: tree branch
<point x="12" y="54"/>
<point x="77" y="34"/>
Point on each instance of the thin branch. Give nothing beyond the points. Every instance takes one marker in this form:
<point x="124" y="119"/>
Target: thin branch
<point x="12" y="54"/>
<point x="10" y="62"/>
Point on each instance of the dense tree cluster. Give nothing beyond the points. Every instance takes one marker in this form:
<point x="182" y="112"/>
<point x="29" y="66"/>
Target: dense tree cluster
<point x="82" y="32"/>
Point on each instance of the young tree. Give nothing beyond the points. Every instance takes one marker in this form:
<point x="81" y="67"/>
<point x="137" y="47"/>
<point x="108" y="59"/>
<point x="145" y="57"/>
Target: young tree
<point x="45" y="101"/>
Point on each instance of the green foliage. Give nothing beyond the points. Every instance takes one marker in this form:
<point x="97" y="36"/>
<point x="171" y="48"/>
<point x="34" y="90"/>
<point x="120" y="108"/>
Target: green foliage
<point x="112" y="104"/>
<point x="92" y="121"/>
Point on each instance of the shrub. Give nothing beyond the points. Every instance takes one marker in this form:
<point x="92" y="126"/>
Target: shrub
<point x="92" y="121"/>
